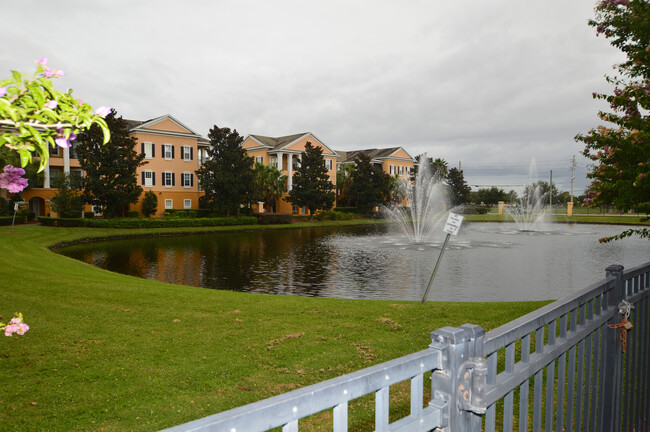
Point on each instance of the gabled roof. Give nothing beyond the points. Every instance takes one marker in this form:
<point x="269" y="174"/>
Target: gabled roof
<point x="376" y="155"/>
<point x="148" y="126"/>
<point x="283" y="142"/>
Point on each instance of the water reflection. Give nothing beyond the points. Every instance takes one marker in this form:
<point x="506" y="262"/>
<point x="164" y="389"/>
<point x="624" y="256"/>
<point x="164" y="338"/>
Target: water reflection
<point x="486" y="262"/>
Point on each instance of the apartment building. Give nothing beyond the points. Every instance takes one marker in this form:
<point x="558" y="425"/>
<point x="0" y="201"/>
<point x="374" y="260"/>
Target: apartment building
<point x="173" y="153"/>
<point x="394" y="160"/>
<point x="284" y="153"/>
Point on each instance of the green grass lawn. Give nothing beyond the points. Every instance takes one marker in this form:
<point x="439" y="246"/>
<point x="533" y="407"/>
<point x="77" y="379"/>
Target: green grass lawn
<point x="108" y="352"/>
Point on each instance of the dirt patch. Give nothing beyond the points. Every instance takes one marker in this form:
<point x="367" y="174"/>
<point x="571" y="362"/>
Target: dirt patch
<point x="276" y="342"/>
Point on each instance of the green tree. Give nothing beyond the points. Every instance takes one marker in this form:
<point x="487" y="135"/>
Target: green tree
<point x="149" y="204"/>
<point x="68" y="201"/>
<point x="457" y="187"/>
<point x="370" y="186"/>
<point x="343" y="184"/>
<point x="436" y="169"/>
<point x="111" y="182"/>
<point x="542" y="191"/>
<point x="227" y="175"/>
<point x="312" y="187"/>
<point x="488" y="196"/>
<point x="620" y="152"/>
<point x="268" y="184"/>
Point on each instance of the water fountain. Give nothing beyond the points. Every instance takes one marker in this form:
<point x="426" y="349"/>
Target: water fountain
<point x="530" y="212"/>
<point x="424" y="211"/>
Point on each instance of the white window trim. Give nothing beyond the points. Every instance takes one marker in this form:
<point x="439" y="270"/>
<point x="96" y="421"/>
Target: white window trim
<point x="148" y="154"/>
<point x="169" y="204"/>
<point x="148" y="178"/>
<point x="165" y="147"/>
<point x="259" y="159"/>
<point x="165" y="173"/>
<point x="187" y="155"/>
<point x="187" y="204"/>
<point x="97" y="210"/>
<point x="189" y="178"/>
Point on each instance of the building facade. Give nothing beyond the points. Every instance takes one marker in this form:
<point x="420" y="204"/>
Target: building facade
<point x="173" y="153"/>
<point x="284" y="153"/>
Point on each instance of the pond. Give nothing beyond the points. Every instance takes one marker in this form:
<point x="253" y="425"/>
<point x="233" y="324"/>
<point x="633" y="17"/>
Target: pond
<point x="485" y="262"/>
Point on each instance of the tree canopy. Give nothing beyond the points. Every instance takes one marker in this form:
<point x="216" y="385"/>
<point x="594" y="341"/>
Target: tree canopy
<point x="312" y="187"/>
<point x="111" y="170"/>
<point x="268" y="184"/>
<point x="227" y="174"/>
<point x="457" y="187"/>
<point x="369" y="186"/>
<point x="621" y="151"/>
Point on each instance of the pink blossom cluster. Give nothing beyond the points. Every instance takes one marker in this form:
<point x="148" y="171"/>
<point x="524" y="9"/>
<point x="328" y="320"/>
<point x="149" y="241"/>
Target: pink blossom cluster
<point x="16" y="325"/>
<point x="11" y="179"/>
<point x="3" y="91"/>
<point x="49" y="73"/>
<point x="62" y="141"/>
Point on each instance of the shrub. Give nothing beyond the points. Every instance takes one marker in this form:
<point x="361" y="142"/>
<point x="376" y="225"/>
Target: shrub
<point x="6" y="220"/>
<point x="472" y="209"/>
<point x="132" y="214"/>
<point x="334" y="215"/>
<point x="149" y="204"/>
<point x="274" y="218"/>
<point x="88" y="214"/>
<point x="146" y="223"/>
<point x="346" y="209"/>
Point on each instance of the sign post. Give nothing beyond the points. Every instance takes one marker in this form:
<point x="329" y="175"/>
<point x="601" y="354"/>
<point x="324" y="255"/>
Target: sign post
<point x="13" y="222"/>
<point x="452" y="227"/>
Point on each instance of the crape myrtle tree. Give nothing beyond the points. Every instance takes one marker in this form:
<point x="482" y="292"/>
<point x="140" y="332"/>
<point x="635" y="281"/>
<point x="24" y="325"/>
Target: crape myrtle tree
<point x="369" y="185"/>
<point x="268" y="184"/>
<point x="227" y="175"/>
<point x="457" y="188"/>
<point x="111" y="170"/>
<point x="149" y="204"/>
<point x="620" y="151"/>
<point x="33" y="117"/>
<point x="343" y="184"/>
<point x="312" y="187"/>
<point x="68" y="201"/>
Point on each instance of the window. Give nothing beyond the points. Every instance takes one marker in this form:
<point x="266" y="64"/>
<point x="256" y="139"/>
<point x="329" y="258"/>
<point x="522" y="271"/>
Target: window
<point x="98" y="210"/>
<point x="76" y="172"/>
<point x="168" y="150"/>
<point x="273" y="161"/>
<point x="54" y="151"/>
<point x="328" y="164"/>
<point x="259" y="159"/>
<point x="148" y="149"/>
<point x="169" y="204"/>
<point x="147" y="178"/>
<point x="392" y="169"/>
<point x="168" y="179"/>
<point x="187" y="153"/>
<point x="401" y="170"/>
<point x="188" y="180"/>
<point x="187" y="204"/>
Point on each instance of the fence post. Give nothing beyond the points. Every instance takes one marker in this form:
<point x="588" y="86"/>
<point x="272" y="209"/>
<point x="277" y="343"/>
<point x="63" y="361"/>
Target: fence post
<point x="460" y="348"/>
<point x="611" y="389"/>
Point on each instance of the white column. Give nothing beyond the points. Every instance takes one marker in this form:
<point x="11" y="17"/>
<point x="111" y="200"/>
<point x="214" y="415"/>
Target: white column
<point x="280" y="162"/>
<point x="290" y="174"/>
<point x="66" y="160"/>
<point x="46" y="175"/>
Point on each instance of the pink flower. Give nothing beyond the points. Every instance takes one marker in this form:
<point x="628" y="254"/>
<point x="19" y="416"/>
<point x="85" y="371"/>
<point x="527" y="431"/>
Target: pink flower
<point x="42" y="61"/>
<point x="51" y="104"/>
<point x="48" y="73"/>
<point x="11" y="179"/>
<point x="59" y="73"/>
<point x="3" y="91"/>
<point x="103" y="111"/>
<point x="11" y="329"/>
<point x="640" y="176"/>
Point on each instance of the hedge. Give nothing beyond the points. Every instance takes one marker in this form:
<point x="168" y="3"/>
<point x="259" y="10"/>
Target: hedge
<point x="274" y="218"/>
<point x="146" y="223"/>
<point x="335" y="215"/>
<point x="6" y="220"/>
<point x="472" y="209"/>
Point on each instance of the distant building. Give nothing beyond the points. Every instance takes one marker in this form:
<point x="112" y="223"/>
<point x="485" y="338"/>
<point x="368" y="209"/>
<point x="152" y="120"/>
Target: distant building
<point x="284" y="153"/>
<point x="394" y="160"/>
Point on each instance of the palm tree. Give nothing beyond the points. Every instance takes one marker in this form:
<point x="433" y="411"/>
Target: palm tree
<point x="268" y="184"/>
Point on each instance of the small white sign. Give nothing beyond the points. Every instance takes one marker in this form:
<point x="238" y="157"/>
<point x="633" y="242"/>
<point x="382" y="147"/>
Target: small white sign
<point x="16" y="207"/>
<point x="453" y="224"/>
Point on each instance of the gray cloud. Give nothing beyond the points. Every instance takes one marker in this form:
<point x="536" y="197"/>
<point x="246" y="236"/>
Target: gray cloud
<point x="485" y="83"/>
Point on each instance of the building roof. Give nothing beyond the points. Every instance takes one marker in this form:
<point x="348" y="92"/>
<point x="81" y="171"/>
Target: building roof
<point x="148" y="126"/>
<point x="375" y="155"/>
<point x="278" y="142"/>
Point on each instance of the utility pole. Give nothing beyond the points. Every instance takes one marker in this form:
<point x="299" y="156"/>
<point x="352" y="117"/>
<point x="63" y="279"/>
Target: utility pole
<point x="459" y="166"/>
<point x="573" y="177"/>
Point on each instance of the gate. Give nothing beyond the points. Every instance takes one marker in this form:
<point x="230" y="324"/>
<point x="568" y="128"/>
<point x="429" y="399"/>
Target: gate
<point x="578" y="364"/>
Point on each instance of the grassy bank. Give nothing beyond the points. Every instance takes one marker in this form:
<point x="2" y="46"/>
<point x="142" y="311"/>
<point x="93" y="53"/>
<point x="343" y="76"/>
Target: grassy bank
<point x="112" y="352"/>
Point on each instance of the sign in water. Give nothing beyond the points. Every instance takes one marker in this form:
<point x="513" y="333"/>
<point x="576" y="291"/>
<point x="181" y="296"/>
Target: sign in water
<point x="452" y="227"/>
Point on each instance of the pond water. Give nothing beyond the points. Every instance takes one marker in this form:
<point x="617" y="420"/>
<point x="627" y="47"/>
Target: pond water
<point x="485" y="262"/>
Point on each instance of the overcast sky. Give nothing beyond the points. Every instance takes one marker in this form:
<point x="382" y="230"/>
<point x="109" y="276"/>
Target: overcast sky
<point x="489" y="84"/>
